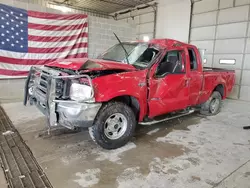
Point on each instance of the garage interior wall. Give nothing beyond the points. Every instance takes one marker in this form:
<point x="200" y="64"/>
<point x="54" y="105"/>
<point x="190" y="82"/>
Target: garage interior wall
<point x="222" y="28"/>
<point x="100" y="39"/>
<point x="169" y="19"/>
<point x="143" y="20"/>
<point x="173" y="19"/>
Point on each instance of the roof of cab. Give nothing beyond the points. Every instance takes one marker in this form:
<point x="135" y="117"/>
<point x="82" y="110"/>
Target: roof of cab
<point x="166" y="43"/>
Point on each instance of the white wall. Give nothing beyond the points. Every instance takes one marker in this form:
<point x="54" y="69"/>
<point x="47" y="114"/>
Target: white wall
<point x="173" y="19"/>
<point x="143" y="20"/>
<point x="101" y="35"/>
<point x="223" y="28"/>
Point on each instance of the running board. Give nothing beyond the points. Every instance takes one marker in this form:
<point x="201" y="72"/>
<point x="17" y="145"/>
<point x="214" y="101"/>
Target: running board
<point x="166" y="119"/>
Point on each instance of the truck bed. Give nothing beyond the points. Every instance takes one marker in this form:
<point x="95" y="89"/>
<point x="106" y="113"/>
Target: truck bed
<point x="210" y="69"/>
<point x="212" y="77"/>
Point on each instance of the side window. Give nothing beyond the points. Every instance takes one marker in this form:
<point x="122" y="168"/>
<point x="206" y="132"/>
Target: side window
<point x="171" y="63"/>
<point x="193" y="59"/>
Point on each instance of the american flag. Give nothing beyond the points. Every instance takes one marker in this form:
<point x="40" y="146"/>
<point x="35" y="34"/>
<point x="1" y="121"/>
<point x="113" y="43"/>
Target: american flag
<point x="35" y="38"/>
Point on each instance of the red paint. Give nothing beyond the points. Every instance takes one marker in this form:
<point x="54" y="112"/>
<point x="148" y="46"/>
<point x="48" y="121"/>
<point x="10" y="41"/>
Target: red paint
<point x="158" y="96"/>
<point x="123" y="84"/>
<point x="77" y="63"/>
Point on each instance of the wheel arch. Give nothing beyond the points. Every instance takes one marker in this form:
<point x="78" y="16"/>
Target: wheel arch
<point x="132" y="102"/>
<point x="221" y="89"/>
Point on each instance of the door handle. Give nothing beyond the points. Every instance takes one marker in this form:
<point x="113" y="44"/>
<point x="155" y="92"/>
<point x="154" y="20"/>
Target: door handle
<point x="187" y="80"/>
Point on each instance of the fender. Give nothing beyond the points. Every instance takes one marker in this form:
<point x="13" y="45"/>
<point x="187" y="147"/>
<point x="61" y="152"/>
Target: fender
<point x="123" y="84"/>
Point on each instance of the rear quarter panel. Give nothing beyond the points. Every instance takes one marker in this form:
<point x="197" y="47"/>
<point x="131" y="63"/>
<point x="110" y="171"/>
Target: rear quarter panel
<point x="213" y="79"/>
<point x="123" y="84"/>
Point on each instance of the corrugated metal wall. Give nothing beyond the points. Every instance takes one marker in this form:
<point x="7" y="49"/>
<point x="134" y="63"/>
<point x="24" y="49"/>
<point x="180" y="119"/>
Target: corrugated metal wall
<point x="222" y="27"/>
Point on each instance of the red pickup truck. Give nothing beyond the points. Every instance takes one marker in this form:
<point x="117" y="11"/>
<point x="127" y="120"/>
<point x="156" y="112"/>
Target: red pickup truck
<point x="131" y="83"/>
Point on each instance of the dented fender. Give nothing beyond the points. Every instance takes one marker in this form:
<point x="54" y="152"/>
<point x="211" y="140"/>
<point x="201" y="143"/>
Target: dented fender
<point x="132" y="84"/>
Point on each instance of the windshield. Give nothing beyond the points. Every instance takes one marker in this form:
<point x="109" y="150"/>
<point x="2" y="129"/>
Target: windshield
<point x="139" y="54"/>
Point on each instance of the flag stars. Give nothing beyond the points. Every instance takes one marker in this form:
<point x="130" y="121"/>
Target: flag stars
<point x="13" y="31"/>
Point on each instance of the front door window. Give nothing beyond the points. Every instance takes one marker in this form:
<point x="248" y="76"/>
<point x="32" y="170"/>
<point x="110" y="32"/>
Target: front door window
<point x="168" y="88"/>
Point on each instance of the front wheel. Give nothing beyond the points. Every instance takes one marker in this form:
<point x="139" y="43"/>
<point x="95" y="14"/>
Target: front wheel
<point x="213" y="105"/>
<point x="114" y="125"/>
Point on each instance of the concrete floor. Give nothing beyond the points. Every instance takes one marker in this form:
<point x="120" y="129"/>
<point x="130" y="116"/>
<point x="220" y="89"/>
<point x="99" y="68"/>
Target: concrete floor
<point x="188" y="152"/>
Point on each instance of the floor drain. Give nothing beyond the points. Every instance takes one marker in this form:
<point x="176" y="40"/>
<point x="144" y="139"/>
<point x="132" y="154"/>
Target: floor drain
<point x="19" y="165"/>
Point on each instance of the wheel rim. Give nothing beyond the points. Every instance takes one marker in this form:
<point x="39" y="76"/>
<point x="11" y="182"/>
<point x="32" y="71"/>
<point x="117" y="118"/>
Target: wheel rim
<point x="115" y="126"/>
<point x="214" y="106"/>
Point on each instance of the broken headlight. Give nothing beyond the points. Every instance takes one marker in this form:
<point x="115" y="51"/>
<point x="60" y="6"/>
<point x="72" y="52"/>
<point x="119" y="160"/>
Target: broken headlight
<point x="80" y="92"/>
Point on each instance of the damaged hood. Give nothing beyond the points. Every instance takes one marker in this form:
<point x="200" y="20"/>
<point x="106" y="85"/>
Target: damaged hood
<point x="90" y="64"/>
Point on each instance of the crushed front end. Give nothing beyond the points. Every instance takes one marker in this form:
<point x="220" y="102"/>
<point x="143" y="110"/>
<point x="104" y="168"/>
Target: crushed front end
<point x="65" y="99"/>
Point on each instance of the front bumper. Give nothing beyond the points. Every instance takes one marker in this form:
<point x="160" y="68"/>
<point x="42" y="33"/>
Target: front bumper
<point x="73" y="115"/>
<point x="64" y="112"/>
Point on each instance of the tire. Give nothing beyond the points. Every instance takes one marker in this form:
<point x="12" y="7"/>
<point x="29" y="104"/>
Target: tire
<point x="110" y="115"/>
<point x="209" y="108"/>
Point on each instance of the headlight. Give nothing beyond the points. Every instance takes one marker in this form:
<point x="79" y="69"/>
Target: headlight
<point x="31" y="90"/>
<point x="80" y="92"/>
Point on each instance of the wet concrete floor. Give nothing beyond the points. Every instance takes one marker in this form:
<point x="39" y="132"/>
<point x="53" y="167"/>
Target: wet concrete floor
<point x="190" y="152"/>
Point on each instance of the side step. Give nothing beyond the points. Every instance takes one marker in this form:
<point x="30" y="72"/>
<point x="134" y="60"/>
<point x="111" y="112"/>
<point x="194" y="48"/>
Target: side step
<point x="154" y="121"/>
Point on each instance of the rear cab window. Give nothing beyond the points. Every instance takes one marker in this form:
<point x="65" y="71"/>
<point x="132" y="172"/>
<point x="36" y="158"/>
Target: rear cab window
<point x="192" y="59"/>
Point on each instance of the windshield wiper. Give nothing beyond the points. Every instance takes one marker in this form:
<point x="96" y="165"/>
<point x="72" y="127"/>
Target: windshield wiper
<point x="122" y="47"/>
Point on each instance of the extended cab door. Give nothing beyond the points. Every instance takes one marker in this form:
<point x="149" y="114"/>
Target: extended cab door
<point x="195" y="75"/>
<point x="168" y="84"/>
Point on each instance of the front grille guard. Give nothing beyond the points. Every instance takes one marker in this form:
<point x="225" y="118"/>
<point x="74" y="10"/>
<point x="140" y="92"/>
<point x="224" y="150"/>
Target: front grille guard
<point x="34" y="70"/>
<point x="50" y="101"/>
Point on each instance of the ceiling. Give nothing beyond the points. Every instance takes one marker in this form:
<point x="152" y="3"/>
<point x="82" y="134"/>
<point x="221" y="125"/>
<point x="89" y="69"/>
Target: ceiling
<point x="103" y="6"/>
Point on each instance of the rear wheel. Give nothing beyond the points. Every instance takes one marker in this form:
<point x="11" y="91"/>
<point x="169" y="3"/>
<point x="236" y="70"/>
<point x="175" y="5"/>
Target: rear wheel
<point x="213" y="105"/>
<point x="114" y="125"/>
